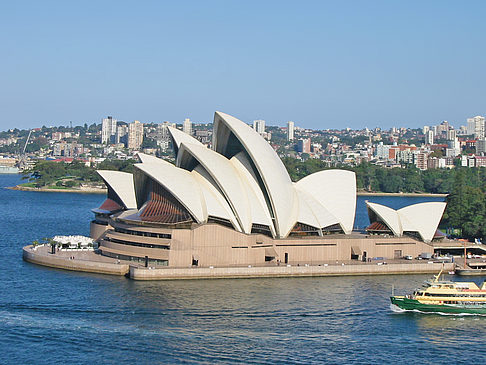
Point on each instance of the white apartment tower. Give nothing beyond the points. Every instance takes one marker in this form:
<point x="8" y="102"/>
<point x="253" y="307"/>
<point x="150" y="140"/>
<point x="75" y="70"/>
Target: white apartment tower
<point x="290" y="131"/>
<point x="187" y="126"/>
<point x="429" y="137"/>
<point x="259" y="126"/>
<point x="108" y="129"/>
<point x="476" y="126"/>
<point x="135" y="135"/>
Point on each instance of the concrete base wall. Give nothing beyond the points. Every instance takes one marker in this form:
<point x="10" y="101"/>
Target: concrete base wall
<point x="216" y="245"/>
<point x="29" y="255"/>
<point x="138" y="273"/>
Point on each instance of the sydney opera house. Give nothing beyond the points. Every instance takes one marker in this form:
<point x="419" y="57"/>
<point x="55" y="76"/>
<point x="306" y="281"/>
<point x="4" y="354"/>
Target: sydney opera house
<point x="235" y="204"/>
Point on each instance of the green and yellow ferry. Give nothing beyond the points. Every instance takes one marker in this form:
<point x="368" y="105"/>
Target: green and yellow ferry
<point x="442" y="296"/>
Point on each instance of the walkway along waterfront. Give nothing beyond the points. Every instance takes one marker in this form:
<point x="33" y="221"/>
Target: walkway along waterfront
<point x="89" y="261"/>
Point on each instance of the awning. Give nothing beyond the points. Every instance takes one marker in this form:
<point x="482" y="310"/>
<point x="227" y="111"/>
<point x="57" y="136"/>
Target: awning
<point x="355" y="250"/>
<point x="270" y="252"/>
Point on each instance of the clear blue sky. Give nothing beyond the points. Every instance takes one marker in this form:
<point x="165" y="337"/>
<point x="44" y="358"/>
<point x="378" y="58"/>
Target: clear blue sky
<point x="323" y="64"/>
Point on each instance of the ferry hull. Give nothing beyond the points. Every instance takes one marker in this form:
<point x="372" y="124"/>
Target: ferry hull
<point x="412" y="304"/>
<point x="471" y="272"/>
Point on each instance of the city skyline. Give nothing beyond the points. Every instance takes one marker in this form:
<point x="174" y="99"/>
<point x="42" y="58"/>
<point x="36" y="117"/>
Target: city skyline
<point x="321" y="64"/>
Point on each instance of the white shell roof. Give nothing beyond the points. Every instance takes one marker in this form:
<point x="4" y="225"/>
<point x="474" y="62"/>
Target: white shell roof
<point x="276" y="180"/>
<point x="336" y="191"/>
<point x="311" y="210"/>
<point x="122" y="184"/>
<point x="226" y="177"/>
<point x="180" y="183"/>
<point x="423" y="218"/>
<point x="259" y="209"/>
<point x="179" y="137"/>
<point x="216" y="204"/>
<point x="388" y="215"/>
<point x="149" y="158"/>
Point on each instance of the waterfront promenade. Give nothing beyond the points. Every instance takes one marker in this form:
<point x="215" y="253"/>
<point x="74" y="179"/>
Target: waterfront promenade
<point x="89" y="261"/>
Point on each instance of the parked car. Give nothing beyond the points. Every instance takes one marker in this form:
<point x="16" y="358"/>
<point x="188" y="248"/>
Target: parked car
<point x="408" y="257"/>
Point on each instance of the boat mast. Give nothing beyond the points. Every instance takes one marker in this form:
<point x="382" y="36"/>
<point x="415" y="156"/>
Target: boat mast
<point x="465" y="256"/>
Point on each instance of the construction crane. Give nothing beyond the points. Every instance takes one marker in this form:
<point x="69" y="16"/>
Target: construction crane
<point x="23" y="157"/>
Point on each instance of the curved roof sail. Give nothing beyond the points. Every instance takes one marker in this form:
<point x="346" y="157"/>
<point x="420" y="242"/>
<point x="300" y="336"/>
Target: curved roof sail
<point x="423" y="218"/>
<point x="388" y="216"/>
<point x="336" y="191"/>
<point x="231" y="136"/>
<point x="224" y="174"/>
<point x="259" y="209"/>
<point x="181" y="184"/>
<point x="122" y="185"/>
<point x="178" y="137"/>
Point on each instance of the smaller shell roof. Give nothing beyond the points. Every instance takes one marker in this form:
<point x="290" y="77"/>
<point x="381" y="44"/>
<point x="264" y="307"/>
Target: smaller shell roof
<point x="336" y="191"/>
<point x="180" y="183"/>
<point x="423" y="218"/>
<point x="122" y="185"/>
<point x="388" y="216"/>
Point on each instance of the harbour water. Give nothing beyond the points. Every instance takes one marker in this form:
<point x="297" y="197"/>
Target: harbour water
<point x="50" y="316"/>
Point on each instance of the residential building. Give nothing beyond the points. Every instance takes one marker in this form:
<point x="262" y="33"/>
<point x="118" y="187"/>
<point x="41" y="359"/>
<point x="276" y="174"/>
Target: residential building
<point x="108" y="130"/>
<point x="259" y="126"/>
<point x="290" y="131"/>
<point x="135" y="135"/>
<point x="187" y="126"/>
<point x="476" y="127"/>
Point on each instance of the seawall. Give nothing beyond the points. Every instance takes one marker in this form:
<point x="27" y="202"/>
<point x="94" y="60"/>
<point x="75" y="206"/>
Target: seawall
<point x="46" y="259"/>
<point x="142" y="273"/>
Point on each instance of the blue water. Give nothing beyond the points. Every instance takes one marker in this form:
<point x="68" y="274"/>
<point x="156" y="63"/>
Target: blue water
<point x="50" y="316"/>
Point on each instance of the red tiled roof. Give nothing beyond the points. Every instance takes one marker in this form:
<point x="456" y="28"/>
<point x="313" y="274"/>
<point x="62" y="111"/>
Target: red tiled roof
<point x="110" y="206"/>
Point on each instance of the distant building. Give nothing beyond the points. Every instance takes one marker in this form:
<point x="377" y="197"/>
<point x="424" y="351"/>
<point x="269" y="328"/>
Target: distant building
<point x="451" y="134"/>
<point x="429" y="137"/>
<point x="481" y="146"/>
<point x="290" y="131"/>
<point x="121" y="135"/>
<point x="476" y="126"/>
<point x="304" y="145"/>
<point x="163" y="136"/>
<point x="187" y="126"/>
<point x="420" y="160"/>
<point x="135" y="135"/>
<point x="108" y="130"/>
<point x="259" y="126"/>
<point x="480" y="161"/>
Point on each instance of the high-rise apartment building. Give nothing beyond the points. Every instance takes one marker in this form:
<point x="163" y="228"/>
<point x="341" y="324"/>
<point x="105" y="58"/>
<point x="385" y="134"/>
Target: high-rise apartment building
<point x="451" y="134"/>
<point x="476" y="126"/>
<point x="429" y="137"/>
<point x="163" y="136"/>
<point x="481" y="146"/>
<point x="108" y="129"/>
<point x="121" y="135"/>
<point x="259" y="126"/>
<point x="135" y="135"/>
<point x="187" y="126"/>
<point x="290" y="131"/>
